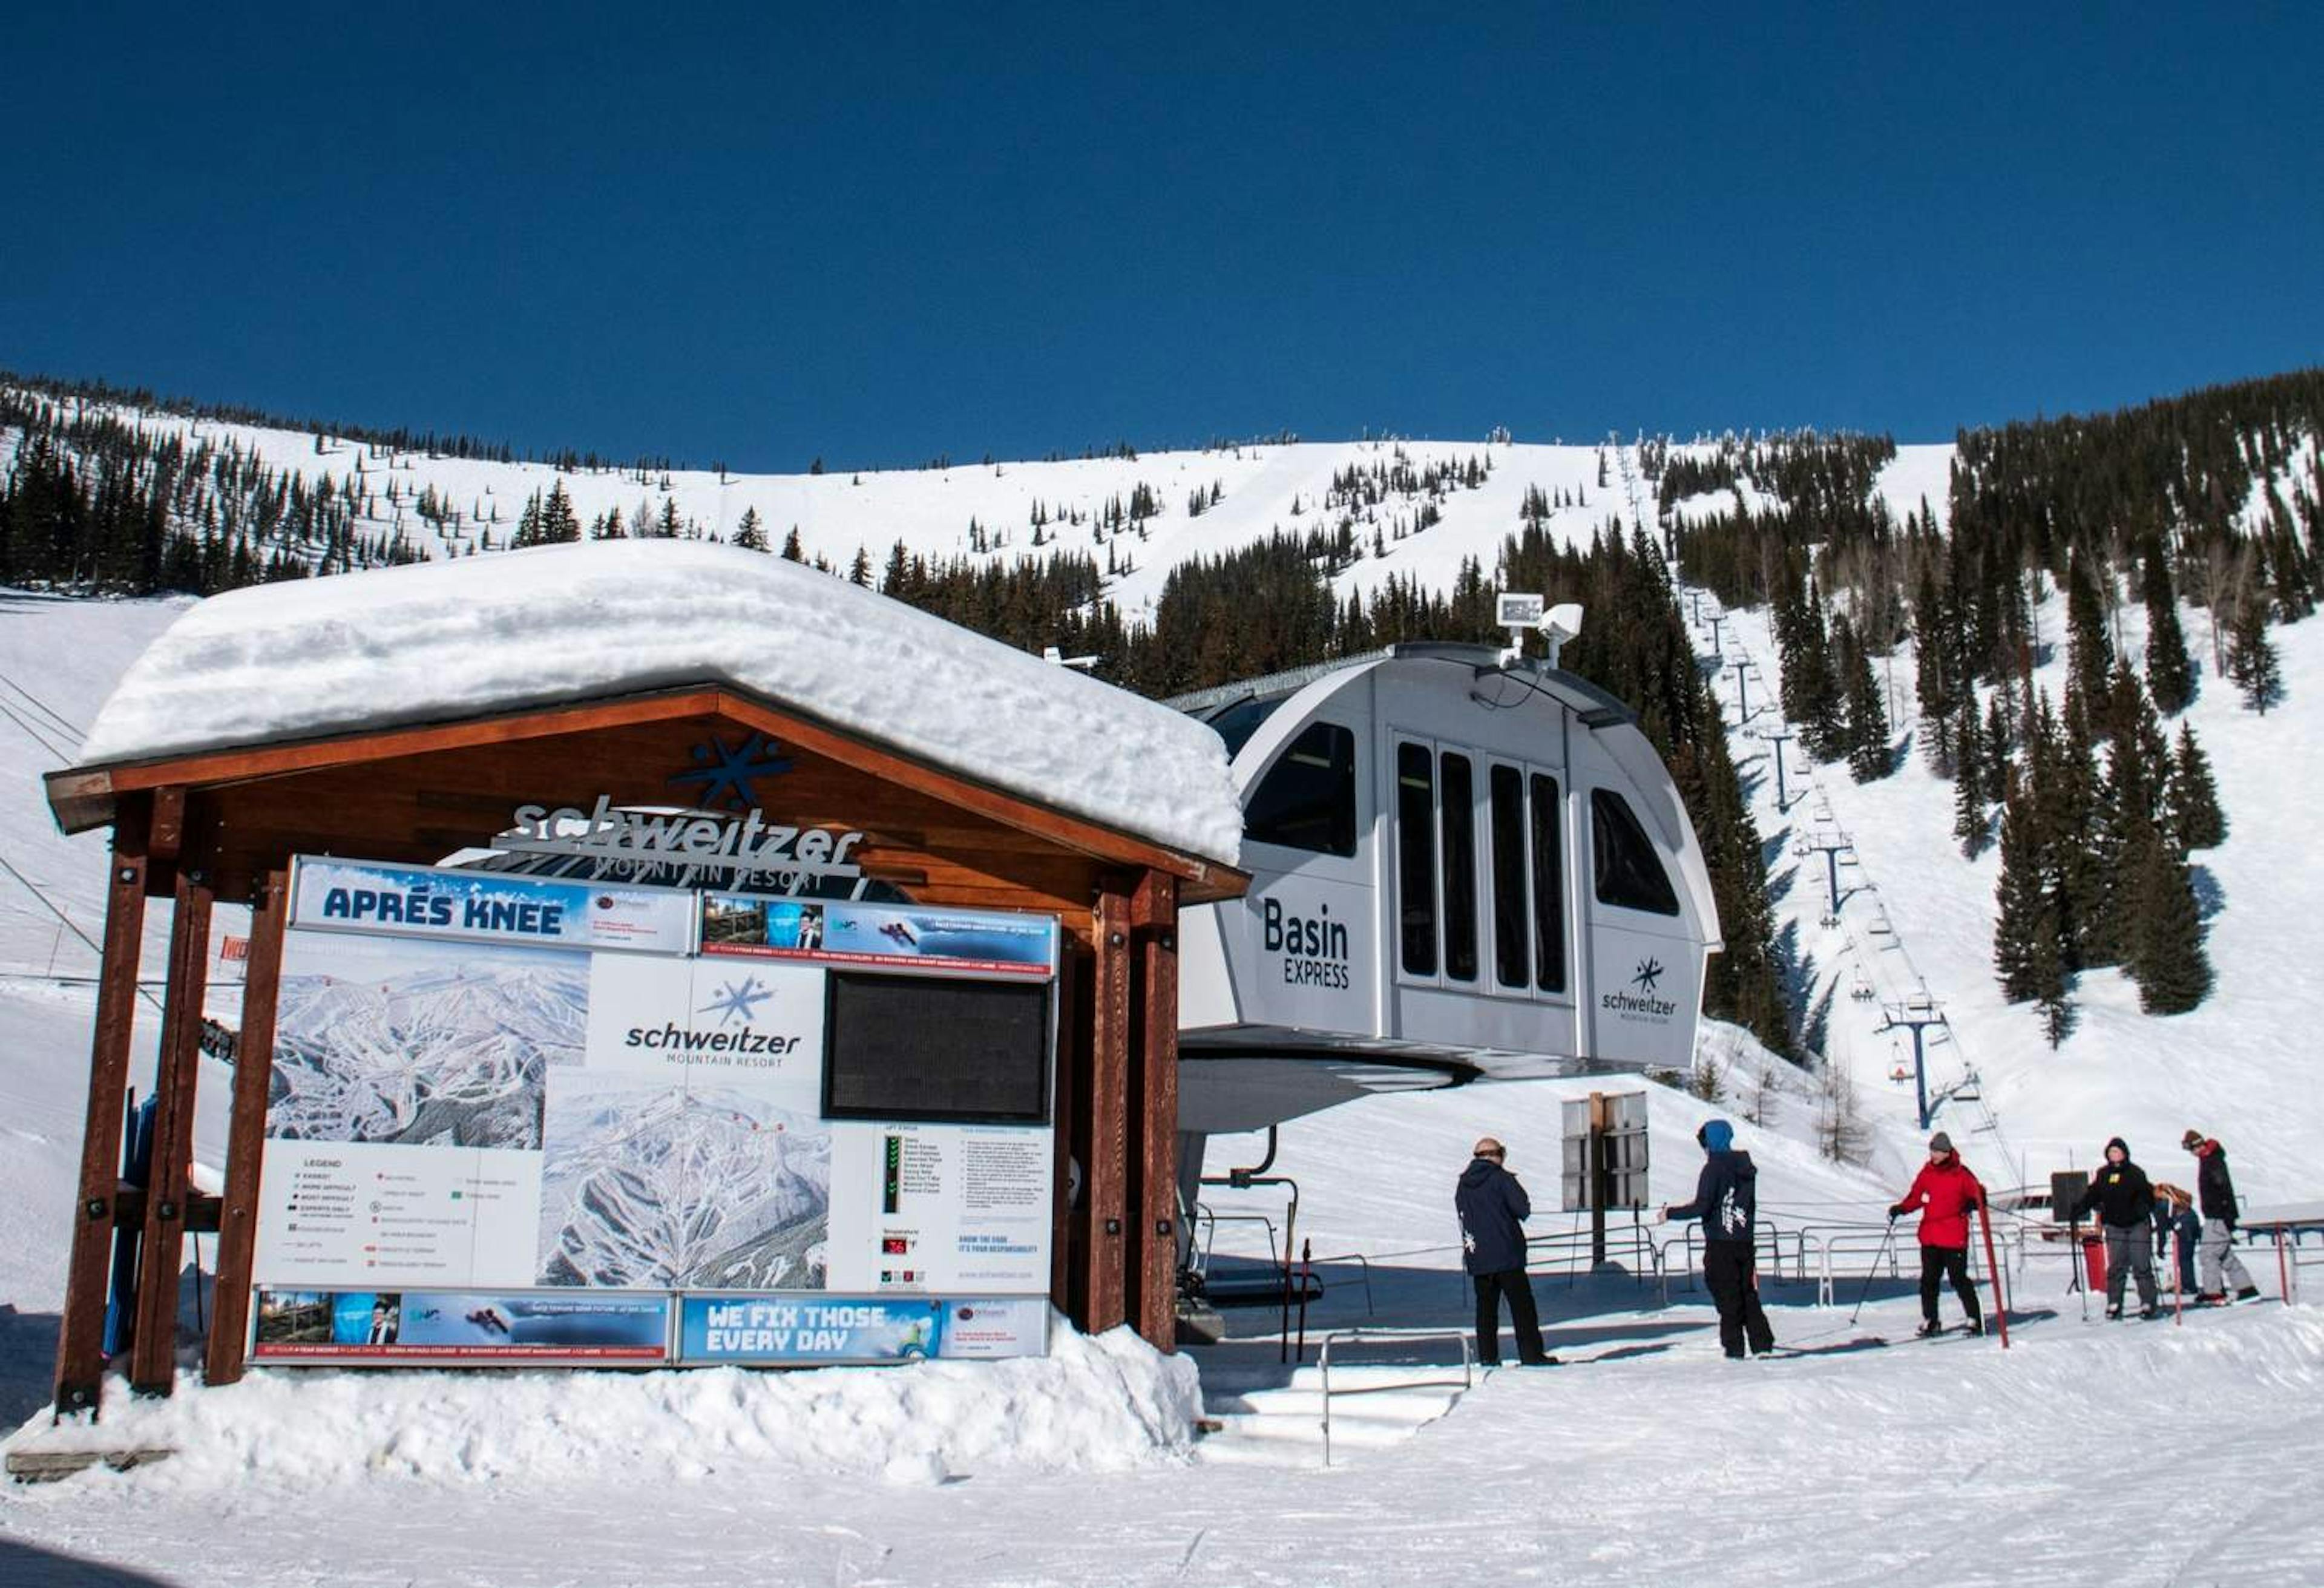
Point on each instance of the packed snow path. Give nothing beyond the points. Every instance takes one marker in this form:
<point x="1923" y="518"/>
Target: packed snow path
<point x="2122" y="1454"/>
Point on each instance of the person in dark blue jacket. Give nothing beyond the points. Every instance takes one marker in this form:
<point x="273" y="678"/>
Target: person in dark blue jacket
<point x="1726" y="1201"/>
<point x="1493" y="1207"/>
<point x="2175" y="1216"/>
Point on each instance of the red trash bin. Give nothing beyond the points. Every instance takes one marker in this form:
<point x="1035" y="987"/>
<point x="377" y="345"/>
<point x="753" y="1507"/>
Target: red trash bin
<point x="2094" y="1261"/>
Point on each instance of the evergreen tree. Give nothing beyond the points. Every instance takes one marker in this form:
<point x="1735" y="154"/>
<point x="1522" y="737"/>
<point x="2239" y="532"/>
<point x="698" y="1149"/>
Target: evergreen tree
<point x="2195" y="819"/>
<point x="2071" y="798"/>
<point x="2167" y="958"/>
<point x="1969" y="784"/>
<point x="2170" y="674"/>
<point x="792" y="550"/>
<point x="2022" y="922"/>
<point x="2091" y="655"/>
<point x="1995" y="740"/>
<point x="1864" y="720"/>
<point x="559" y="524"/>
<point x="2051" y="1001"/>
<point x="749" y="534"/>
<point x="1932" y="683"/>
<point x="2252" y="661"/>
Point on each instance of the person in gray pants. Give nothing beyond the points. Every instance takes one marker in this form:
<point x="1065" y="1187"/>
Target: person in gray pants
<point x="2123" y="1199"/>
<point x="2216" y="1192"/>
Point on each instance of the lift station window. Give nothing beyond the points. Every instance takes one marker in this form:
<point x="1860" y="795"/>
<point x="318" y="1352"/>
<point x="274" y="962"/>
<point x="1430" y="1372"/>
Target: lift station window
<point x="1528" y="881"/>
<point x="1629" y="874"/>
<point x="924" y="1047"/>
<point x="1512" y="966"/>
<point x="1415" y="857"/>
<point x="1548" y="886"/>
<point x="1307" y="799"/>
<point x="1460" y="866"/>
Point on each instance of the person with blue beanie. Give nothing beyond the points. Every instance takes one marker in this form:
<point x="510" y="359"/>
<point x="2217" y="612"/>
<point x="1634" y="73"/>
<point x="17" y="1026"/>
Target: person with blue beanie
<point x="1726" y="1201"/>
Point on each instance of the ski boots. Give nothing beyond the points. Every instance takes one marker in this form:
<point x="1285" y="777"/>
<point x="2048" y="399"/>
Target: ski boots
<point x="2114" y="1312"/>
<point x="1929" y="1330"/>
<point x="2248" y="1293"/>
<point x="1974" y="1326"/>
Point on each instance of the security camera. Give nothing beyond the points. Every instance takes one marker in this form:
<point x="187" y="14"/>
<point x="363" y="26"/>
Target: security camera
<point x="1558" y="625"/>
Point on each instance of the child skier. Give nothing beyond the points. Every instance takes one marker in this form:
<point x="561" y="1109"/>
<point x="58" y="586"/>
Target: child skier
<point x="1946" y="1193"/>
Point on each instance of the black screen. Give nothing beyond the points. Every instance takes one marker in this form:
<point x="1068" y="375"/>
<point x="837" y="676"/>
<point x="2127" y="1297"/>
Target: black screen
<point x="916" y="1048"/>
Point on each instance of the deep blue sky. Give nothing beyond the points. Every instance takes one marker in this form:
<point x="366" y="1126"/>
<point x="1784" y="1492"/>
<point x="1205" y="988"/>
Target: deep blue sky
<point x="879" y="232"/>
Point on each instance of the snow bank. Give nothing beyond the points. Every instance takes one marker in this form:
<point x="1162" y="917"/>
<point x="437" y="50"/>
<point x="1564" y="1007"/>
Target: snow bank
<point x="1096" y="1404"/>
<point x="556" y="623"/>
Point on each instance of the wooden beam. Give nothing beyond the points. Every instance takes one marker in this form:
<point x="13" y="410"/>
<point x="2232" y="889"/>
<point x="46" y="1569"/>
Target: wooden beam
<point x="1015" y="810"/>
<point x="1105" y="1181"/>
<point x="1153" y="1109"/>
<point x="248" y="762"/>
<point x="80" y="1344"/>
<point x="154" y="1332"/>
<point x="1065" y="1211"/>
<point x="254" y="1070"/>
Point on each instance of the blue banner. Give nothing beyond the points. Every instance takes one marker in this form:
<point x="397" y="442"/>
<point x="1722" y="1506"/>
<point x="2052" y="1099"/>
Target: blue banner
<point x="487" y="907"/>
<point x="803" y="1329"/>
<point x="324" y="1326"/>
<point x="987" y="942"/>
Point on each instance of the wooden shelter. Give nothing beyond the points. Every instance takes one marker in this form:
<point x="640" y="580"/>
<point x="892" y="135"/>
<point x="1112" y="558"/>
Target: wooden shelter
<point x="222" y="823"/>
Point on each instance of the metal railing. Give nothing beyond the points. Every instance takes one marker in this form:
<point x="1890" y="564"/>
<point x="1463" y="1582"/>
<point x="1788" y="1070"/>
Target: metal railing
<point x="1468" y="1380"/>
<point x="1822" y="1254"/>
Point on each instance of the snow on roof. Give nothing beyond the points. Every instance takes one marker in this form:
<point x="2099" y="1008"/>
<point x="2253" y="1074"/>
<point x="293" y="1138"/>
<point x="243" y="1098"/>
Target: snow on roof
<point x="439" y="640"/>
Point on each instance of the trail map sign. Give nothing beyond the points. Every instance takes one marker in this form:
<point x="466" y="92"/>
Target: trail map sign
<point x="522" y="1119"/>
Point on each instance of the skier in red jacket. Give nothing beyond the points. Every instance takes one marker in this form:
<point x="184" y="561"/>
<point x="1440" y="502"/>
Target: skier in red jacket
<point x="1946" y="1193"/>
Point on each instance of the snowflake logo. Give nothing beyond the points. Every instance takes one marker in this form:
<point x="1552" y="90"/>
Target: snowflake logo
<point x="727" y="774"/>
<point x="1649" y="972"/>
<point x="738" y="1001"/>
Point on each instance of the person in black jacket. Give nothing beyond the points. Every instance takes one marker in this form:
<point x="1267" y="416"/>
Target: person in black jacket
<point x="1726" y="1201"/>
<point x="2215" y="1189"/>
<point x="1493" y="1207"/>
<point x="2125" y="1202"/>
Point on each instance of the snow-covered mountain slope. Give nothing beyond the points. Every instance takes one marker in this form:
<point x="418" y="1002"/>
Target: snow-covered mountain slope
<point x="1916" y="921"/>
<point x="1260" y="487"/>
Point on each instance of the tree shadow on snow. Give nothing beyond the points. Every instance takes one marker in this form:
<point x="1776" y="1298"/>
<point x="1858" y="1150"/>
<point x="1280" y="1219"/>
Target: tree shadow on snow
<point x="24" y="1567"/>
<point x="1815" y="1026"/>
<point x="2210" y="897"/>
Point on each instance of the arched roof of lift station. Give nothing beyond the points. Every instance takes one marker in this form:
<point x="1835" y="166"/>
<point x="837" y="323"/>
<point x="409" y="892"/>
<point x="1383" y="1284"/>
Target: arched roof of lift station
<point x="551" y="625"/>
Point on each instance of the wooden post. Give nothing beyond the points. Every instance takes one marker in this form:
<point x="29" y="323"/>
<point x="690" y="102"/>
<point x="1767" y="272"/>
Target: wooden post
<point x="154" y="1337"/>
<point x="1600" y="1120"/>
<point x="254" y="1068"/>
<point x="80" y="1344"/>
<point x="1064" y="1212"/>
<point x="1105" y="1180"/>
<point x="1154" y="1113"/>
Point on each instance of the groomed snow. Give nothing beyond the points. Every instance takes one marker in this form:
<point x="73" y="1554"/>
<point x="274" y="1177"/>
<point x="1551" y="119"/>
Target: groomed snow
<point x="1094" y="1404"/>
<point x="558" y="624"/>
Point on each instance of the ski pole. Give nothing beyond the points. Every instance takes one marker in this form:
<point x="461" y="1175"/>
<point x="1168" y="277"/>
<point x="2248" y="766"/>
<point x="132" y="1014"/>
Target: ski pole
<point x="1873" y="1272"/>
<point x="2000" y="1294"/>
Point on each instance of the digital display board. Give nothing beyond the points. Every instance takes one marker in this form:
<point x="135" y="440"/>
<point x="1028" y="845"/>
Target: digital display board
<point x="920" y="1047"/>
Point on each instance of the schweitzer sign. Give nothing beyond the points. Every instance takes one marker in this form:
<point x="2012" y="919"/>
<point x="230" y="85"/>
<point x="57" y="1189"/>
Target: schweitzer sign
<point x="699" y="845"/>
<point x="521" y="1119"/>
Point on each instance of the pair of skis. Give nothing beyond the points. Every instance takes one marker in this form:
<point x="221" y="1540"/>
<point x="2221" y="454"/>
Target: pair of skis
<point x="1992" y="1266"/>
